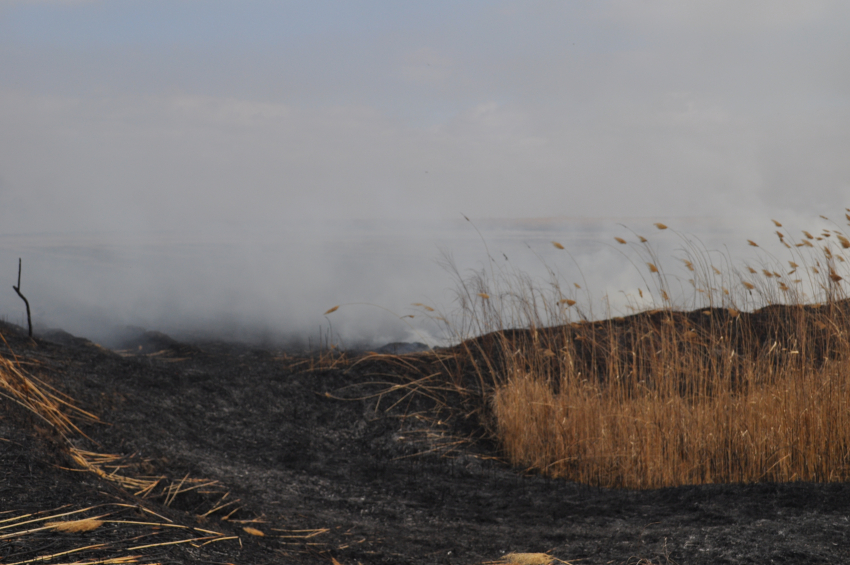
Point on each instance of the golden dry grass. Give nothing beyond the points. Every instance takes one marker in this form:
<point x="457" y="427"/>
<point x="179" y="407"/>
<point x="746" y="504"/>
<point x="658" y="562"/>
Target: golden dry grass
<point x="75" y="526"/>
<point x="752" y="385"/>
<point x="644" y="434"/>
<point x="120" y="542"/>
<point x="61" y="414"/>
<point x="527" y="559"/>
<point x="126" y="536"/>
<point x="36" y="396"/>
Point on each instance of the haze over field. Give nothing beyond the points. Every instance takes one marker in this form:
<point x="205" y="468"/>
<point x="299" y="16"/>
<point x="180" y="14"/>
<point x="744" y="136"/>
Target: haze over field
<point x="185" y="165"/>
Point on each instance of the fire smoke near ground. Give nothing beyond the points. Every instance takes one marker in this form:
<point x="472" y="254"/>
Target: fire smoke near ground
<point x="205" y="169"/>
<point x="274" y="287"/>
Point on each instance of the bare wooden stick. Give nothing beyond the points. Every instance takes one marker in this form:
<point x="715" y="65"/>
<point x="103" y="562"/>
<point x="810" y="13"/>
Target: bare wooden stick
<point x="18" y="290"/>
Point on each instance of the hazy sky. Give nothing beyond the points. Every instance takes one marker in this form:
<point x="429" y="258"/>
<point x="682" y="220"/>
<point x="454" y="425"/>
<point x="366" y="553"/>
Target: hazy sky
<point x="220" y="117"/>
<point x="158" y="114"/>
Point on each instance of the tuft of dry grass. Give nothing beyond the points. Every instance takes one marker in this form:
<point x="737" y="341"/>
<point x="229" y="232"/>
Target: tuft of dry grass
<point x="118" y="543"/>
<point x="75" y="526"/>
<point x="751" y="384"/>
<point x="527" y="559"/>
<point x="39" y="398"/>
<point x="61" y="414"/>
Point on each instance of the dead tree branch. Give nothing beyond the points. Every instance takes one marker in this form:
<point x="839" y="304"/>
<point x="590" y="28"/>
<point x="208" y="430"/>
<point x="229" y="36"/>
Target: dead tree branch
<point x="18" y="290"/>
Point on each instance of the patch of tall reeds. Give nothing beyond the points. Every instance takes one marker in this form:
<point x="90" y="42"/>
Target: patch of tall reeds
<point x="732" y="373"/>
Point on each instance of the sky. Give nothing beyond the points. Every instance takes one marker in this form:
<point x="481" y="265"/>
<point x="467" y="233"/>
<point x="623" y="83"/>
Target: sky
<point x="225" y="121"/>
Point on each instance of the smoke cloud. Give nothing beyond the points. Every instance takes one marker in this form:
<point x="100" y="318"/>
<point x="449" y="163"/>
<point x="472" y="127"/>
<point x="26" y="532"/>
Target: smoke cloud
<point x="242" y="170"/>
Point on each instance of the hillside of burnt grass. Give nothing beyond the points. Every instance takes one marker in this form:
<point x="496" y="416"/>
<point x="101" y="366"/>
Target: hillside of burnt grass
<point x="817" y="331"/>
<point x="223" y="453"/>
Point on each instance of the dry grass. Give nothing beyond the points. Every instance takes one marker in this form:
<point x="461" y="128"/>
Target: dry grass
<point x="60" y="413"/>
<point x="778" y="422"/>
<point x="51" y="406"/>
<point x="751" y="384"/>
<point x="76" y="526"/>
<point x="126" y="536"/>
<point x="119" y="543"/>
<point x="527" y="559"/>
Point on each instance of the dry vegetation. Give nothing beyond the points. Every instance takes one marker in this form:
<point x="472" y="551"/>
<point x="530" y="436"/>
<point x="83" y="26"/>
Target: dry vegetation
<point x="744" y="376"/>
<point x="126" y="535"/>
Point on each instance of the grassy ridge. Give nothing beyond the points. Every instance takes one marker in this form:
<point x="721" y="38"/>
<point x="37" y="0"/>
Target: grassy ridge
<point x="745" y="378"/>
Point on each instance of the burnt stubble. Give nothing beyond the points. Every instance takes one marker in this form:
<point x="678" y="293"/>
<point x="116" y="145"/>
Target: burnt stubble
<point x="328" y="462"/>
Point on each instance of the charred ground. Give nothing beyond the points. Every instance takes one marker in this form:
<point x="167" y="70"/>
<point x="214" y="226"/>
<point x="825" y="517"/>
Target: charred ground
<point x="343" y="459"/>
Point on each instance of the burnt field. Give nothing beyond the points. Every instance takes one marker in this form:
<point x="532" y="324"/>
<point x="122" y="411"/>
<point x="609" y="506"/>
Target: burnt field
<point x="223" y="453"/>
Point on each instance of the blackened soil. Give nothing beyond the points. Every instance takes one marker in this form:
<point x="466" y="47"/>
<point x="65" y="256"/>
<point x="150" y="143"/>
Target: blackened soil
<point x="377" y="475"/>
